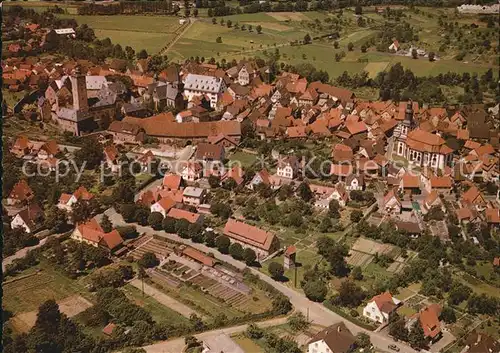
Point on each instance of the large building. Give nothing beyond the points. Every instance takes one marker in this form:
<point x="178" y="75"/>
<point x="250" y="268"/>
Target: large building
<point x="201" y="85"/>
<point x="419" y="147"/>
<point x="259" y="240"/>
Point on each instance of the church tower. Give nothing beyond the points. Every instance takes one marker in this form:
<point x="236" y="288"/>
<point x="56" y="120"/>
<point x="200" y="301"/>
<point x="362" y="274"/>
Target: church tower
<point x="79" y="90"/>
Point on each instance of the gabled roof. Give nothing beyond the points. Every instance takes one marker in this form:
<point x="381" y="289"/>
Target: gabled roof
<point x="198" y="256"/>
<point x="429" y="320"/>
<point x="444" y="182"/>
<point x="177" y="213"/>
<point x="172" y="181"/>
<point x="21" y="191"/>
<point x="248" y="234"/>
<point x="337" y="337"/>
<point x="385" y="302"/>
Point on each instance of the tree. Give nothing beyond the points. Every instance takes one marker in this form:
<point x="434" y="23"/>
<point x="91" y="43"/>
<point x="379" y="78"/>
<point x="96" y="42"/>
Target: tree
<point x="258" y="29"/>
<point x="90" y="155"/>
<point x="155" y="220"/>
<point x="336" y="44"/>
<point x="222" y="243"/>
<point x="416" y="336"/>
<point x="356" y="216"/>
<point x="141" y="215"/>
<point x="168" y="224"/>
<point x="414" y="53"/>
<point x="221" y="210"/>
<point x="210" y="238"/>
<point x="106" y="224"/>
<point x="297" y="322"/>
<point x="213" y="180"/>
<point x="325" y="225"/>
<point x="48" y="317"/>
<point x="249" y="256"/>
<point x="305" y="192"/>
<point x="56" y="220"/>
<point x="149" y="260"/>
<point x="182" y="228"/>
<point x="397" y="329"/>
<point x="356" y="273"/>
<point x="350" y="294"/>
<point x="363" y="340"/>
<point x="315" y="290"/>
<point x="448" y="315"/>
<point x="195" y="232"/>
<point x="84" y="210"/>
<point x="276" y="270"/>
<point x="307" y="39"/>
<point x="281" y="304"/>
<point x="432" y="56"/>
<point x="363" y="48"/>
<point x="333" y="209"/>
<point x="229" y="23"/>
<point x="350" y="46"/>
<point x="358" y="10"/>
<point x="254" y="332"/>
<point x="195" y="12"/>
<point x="458" y="293"/>
<point x="128" y="212"/>
<point x="143" y="54"/>
<point x="236" y="251"/>
<point x="334" y="253"/>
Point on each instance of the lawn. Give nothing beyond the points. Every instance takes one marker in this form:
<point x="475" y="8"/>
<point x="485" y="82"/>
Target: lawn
<point x="247" y="344"/>
<point x="140" y="32"/>
<point x="477" y="285"/>
<point x="244" y="158"/>
<point x="160" y="312"/>
<point x="28" y="293"/>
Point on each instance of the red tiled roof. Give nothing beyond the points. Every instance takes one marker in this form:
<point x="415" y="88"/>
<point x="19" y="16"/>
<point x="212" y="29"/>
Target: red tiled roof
<point x="172" y="181"/>
<point x="410" y="181"/>
<point x="248" y="234"/>
<point x="384" y="302"/>
<point x="177" y="213"/>
<point x="21" y="191"/>
<point x="441" y="182"/>
<point x="429" y="319"/>
<point x="166" y="203"/>
<point x="198" y="256"/>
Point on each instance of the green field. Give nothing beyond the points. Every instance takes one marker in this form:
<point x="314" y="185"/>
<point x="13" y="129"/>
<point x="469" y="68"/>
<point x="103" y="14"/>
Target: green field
<point x="140" y="32"/>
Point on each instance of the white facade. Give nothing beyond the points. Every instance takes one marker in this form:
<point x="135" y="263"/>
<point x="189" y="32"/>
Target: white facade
<point x="318" y="347"/>
<point x="18" y="222"/>
<point x="243" y="76"/>
<point x="68" y="206"/>
<point x="372" y="312"/>
<point x="286" y="171"/>
<point x="199" y="85"/>
<point x="423" y="159"/>
<point x="156" y="207"/>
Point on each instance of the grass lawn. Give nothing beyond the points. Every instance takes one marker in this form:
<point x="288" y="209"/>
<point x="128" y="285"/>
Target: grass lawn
<point x="140" y="32"/>
<point x="406" y="311"/>
<point x="477" y="285"/>
<point x="160" y="312"/>
<point x="28" y="293"/>
<point x="247" y="344"/>
<point x="244" y="158"/>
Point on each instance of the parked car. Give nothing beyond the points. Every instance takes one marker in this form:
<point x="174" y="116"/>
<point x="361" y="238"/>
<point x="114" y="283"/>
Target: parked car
<point x="394" y="347"/>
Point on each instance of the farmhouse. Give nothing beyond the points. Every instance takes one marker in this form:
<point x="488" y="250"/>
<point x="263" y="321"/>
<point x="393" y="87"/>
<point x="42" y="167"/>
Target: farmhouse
<point x="261" y="241"/>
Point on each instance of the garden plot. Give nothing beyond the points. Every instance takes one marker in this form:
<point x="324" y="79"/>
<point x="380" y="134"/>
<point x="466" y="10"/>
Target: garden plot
<point x="360" y="259"/>
<point x="372" y="247"/>
<point x="158" y="247"/>
<point x="396" y="267"/>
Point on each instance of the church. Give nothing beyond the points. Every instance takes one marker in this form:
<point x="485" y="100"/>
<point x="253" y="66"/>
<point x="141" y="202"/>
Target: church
<point x="419" y="147"/>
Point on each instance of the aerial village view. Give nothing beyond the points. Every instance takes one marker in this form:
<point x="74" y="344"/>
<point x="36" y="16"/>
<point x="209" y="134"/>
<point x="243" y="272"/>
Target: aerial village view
<point x="251" y="176"/>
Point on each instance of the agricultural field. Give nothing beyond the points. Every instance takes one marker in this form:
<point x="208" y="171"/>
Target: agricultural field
<point x="140" y="32"/>
<point x="23" y="295"/>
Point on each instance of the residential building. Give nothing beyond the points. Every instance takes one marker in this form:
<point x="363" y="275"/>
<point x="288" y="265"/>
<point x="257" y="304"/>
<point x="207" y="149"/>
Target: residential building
<point x="163" y="206"/>
<point x="262" y="242"/>
<point x="261" y="177"/>
<point x="91" y="233"/>
<point x="123" y="132"/>
<point x="480" y="342"/>
<point x="392" y="203"/>
<point x="288" y="167"/>
<point x="428" y="318"/>
<point x="191" y="171"/>
<point x="30" y="219"/>
<point x="334" y="339"/>
<point x="191" y="217"/>
<point x="193" y="196"/>
<point x="355" y="182"/>
<point x="220" y="343"/>
<point x="210" y="152"/>
<point x="20" y="194"/>
<point x="66" y="201"/>
<point x="381" y="307"/>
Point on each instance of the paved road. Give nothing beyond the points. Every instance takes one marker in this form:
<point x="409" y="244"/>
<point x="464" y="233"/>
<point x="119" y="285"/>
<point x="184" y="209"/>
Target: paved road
<point x="164" y="299"/>
<point x="24" y="251"/>
<point x="176" y="345"/>
<point x="318" y="314"/>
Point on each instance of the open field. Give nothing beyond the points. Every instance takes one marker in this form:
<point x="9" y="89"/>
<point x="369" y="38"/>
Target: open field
<point x="247" y="344"/>
<point x="140" y="32"/>
<point x="71" y="306"/>
<point x="28" y="293"/>
<point x="245" y="159"/>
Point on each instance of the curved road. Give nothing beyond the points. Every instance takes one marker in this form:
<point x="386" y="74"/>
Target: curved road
<point x="318" y="314"/>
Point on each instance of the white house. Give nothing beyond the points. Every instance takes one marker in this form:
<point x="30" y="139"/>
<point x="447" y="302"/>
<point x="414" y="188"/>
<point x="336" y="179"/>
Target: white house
<point x="355" y="182"/>
<point x="163" y="206"/>
<point x="392" y="203"/>
<point x="66" y="201"/>
<point x="30" y="219"/>
<point x="192" y="171"/>
<point x="199" y="85"/>
<point x="259" y="178"/>
<point x="394" y="46"/>
<point x="193" y="196"/>
<point x="340" y="194"/>
<point x="381" y="307"/>
<point x="333" y="339"/>
<point x="288" y="167"/>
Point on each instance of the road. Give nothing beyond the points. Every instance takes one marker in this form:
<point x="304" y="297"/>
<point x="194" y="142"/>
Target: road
<point x="24" y="251"/>
<point x="177" y="345"/>
<point x="317" y="313"/>
<point x="164" y="299"/>
<point x="177" y="37"/>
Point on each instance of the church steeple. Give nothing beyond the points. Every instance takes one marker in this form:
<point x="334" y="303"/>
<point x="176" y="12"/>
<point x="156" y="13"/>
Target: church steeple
<point x="409" y="113"/>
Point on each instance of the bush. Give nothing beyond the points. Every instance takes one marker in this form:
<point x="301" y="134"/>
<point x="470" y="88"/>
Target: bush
<point x="222" y="242"/>
<point x="315" y="290"/>
<point x="155" y="220"/>
<point x="276" y="270"/>
<point x="236" y="251"/>
<point x="149" y="260"/>
<point x="127" y="232"/>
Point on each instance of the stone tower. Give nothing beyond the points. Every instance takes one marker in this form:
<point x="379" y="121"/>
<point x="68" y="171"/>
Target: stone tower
<point x="79" y="89"/>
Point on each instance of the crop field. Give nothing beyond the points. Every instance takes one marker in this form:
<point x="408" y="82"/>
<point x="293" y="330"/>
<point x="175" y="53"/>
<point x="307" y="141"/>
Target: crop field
<point x="140" y="32"/>
<point x="360" y="259"/>
<point x="371" y="247"/>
